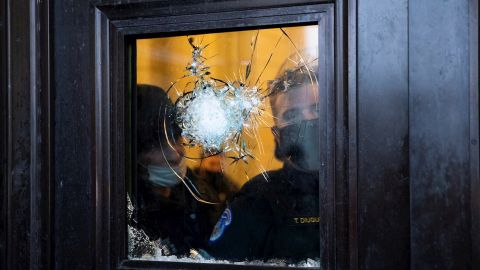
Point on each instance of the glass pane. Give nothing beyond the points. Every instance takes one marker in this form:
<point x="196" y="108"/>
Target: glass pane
<point x="227" y="148"/>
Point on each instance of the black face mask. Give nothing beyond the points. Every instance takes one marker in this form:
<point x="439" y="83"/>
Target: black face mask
<point x="299" y="144"/>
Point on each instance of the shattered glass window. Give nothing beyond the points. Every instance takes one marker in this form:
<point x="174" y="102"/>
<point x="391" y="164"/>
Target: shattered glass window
<point x="227" y="148"/>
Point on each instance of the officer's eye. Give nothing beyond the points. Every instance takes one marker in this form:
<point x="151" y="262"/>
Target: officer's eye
<point x="292" y="115"/>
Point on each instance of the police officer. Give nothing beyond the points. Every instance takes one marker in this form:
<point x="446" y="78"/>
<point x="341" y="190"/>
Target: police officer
<point x="278" y="217"/>
<point x="163" y="207"/>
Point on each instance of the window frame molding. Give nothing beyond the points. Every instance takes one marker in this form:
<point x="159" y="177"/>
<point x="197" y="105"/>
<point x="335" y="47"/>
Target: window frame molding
<point x="115" y="29"/>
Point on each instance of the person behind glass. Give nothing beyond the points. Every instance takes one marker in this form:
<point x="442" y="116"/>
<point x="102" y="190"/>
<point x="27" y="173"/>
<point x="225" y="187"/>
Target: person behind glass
<point x="278" y="217"/>
<point x="163" y="207"/>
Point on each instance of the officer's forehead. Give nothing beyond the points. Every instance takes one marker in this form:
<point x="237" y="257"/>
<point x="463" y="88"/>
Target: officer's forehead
<point x="161" y="156"/>
<point x="298" y="96"/>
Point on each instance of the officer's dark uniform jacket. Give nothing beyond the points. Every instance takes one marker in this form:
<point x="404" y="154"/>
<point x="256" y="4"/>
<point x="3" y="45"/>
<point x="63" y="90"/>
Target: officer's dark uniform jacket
<point x="274" y="218"/>
<point x="181" y="219"/>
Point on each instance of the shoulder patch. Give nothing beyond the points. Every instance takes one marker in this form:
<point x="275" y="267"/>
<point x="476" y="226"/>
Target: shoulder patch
<point x="223" y="222"/>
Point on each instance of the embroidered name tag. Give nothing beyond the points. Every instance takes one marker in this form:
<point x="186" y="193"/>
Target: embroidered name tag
<point x="304" y="220"/>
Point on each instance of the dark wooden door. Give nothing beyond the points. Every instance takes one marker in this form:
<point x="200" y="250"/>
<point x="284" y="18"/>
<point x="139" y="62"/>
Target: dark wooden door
<point x="404" y="166"/>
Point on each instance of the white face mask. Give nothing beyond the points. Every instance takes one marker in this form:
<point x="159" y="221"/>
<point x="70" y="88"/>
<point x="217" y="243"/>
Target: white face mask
<point x="166" y="176"/>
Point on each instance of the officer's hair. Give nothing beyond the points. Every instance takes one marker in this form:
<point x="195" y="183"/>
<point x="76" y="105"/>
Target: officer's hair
<point x="153" y="107"/>
<point x="289" y="79"/>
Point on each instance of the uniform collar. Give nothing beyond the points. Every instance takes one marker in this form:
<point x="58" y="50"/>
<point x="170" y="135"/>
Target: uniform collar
<point x="303" y="181"/>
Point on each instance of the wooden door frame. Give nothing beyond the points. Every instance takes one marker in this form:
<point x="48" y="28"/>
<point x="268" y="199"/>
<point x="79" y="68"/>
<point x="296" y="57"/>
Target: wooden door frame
<point x="116" y="28"/>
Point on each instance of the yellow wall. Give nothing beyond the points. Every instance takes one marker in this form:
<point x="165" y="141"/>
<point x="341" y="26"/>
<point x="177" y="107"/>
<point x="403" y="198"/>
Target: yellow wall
<point x="161" y="61"/>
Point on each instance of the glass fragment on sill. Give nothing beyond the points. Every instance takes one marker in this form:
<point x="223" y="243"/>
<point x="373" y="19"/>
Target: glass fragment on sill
<point x="139" y="244"/>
